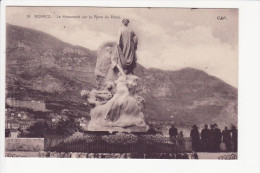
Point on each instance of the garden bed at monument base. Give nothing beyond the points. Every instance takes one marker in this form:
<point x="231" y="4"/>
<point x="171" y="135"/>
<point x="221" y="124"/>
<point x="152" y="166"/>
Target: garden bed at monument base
<point x="116" y="143"/>
<point x="115" y="155"/>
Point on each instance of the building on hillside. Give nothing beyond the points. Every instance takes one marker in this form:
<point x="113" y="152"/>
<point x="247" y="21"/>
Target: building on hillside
<point x="35" y="105"/>
<point x="12" y="124"/>
<point x="16" y="121"/>
<point x="22" y="46"/>
<point x="14" y="133"/>
<point x="11" y="133"/>
<point x="25" y="124"/>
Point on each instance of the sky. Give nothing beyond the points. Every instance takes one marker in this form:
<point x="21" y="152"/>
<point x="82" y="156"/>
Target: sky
<point x="169" y="38"/>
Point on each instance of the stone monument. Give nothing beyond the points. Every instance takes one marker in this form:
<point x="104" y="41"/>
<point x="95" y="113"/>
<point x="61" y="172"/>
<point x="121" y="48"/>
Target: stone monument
<point x="117" y="105"/>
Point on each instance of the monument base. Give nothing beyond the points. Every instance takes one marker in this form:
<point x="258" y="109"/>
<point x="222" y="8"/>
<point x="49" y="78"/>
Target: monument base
<point x="121" y="129"/>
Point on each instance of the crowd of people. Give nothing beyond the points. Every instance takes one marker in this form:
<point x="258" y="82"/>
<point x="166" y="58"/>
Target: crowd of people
<point x="208" y="140"/>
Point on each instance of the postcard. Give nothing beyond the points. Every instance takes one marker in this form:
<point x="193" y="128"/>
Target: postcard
<point x="139" y="83"/>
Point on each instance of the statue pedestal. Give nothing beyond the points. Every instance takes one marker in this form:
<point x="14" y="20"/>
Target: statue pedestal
<point x="120" y="129"/>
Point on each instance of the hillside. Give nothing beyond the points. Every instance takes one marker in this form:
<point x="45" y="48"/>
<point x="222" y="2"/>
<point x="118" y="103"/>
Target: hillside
<point x="41" y="67"/>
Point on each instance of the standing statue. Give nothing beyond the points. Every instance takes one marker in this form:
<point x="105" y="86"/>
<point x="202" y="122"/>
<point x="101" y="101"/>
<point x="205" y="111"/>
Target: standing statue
<point x="127" y="45"/>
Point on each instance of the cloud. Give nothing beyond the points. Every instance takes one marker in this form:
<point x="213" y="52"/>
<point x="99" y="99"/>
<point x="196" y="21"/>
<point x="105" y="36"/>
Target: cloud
<point x="182" y="23"/>
<point x="82" y="36"/>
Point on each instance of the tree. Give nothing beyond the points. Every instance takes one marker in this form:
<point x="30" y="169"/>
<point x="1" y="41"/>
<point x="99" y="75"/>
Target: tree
<point x="67" y="127"/>
<point x="39" y="129"/>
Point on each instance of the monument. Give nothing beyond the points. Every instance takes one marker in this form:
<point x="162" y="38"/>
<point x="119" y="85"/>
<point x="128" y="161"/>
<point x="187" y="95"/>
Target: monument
<point x="117" y="105"/>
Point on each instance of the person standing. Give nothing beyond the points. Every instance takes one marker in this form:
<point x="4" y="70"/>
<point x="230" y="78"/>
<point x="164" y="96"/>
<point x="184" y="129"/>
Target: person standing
<point x="212" y="139"/>
<point x="195" y="138"/>
<point x="173" y="132"/>
<point x="234" y="137"/>
<point x="205" y="138"/>
<point x="151" y="130"/>
<point x="127" y="44"/>
<point x="217" y="138"/>
<point x="180" y="140"/>
<point x="227" y="138"/>
<point x="159" y="131"/>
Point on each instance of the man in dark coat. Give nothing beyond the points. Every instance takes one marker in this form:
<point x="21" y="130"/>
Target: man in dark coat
<point x="195" y="138"/>
<point x="217" y="138"/>
<point x="227" y="138"/>
<point x="234" y="137"/>
<point x="205" y="138"/>
<point x="212" y="139"/>
<point x="173" y="132"/>
<point x="151" y="130"/>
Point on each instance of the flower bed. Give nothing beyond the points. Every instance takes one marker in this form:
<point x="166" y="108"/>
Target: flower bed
<point x="120" y="138"/>
<point x="116" y="143"/>
<point x="152" y="139"/>
<point x="78" y="137"/>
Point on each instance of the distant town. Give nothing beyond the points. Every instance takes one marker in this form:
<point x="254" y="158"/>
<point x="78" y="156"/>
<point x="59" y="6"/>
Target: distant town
<point x="21" y="115"/>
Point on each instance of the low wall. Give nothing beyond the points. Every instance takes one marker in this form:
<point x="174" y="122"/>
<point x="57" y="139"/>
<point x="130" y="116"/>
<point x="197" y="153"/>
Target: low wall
<point x="24" y="144"/>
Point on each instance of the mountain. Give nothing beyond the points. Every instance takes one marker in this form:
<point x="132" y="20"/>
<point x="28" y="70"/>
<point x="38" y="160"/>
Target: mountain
<point x="42" y="67"/>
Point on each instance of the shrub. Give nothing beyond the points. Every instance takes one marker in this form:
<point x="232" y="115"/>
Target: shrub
<point x="151" y="139"/>
<point x="78" y="136"/>
<point x="120" y="139"/>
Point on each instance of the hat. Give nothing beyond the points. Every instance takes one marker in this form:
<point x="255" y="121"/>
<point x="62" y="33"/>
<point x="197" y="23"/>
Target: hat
<point x="194" y="126"/>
